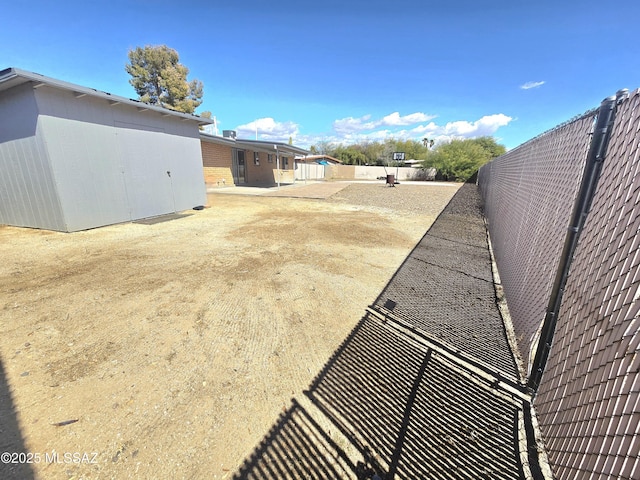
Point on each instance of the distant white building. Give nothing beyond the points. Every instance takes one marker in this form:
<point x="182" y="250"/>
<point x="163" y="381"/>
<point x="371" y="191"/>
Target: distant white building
<point x="413" y="163"/>
<point x="74" y="158"/>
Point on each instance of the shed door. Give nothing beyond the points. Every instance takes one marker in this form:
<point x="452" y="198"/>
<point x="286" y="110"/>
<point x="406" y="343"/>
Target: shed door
<point x="146" y="171"/>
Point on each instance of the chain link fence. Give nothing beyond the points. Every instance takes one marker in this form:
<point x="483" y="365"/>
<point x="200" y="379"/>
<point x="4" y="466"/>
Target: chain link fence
<point x="587" y="401"/>
<point x="528" y="198"/>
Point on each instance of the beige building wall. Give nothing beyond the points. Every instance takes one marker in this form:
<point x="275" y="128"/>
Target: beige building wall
<point x="265" y="171"/>
<point x="259" y="173"/>
<point x="216" y="161"/>
<point x="260" y="170"/>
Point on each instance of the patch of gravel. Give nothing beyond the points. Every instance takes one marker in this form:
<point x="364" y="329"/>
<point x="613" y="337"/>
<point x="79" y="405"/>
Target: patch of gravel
<point x="427" y="199"/>
<point x="467" y="202"/>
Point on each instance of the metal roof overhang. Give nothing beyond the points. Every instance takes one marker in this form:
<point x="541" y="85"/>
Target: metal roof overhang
<point x="12" y="77"/>
<point x="272" y="147"/>
<point x="207" y="137"/>
<point x="256" y="145"/>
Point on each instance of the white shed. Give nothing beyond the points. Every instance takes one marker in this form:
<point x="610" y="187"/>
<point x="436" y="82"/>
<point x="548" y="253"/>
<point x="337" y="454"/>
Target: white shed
<point x="74" y="158"/>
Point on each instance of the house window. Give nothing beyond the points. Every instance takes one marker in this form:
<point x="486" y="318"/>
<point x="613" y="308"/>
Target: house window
<point x="270" y="157"/>
<point x="285" y="161"/>
<point x="256" y="158"/>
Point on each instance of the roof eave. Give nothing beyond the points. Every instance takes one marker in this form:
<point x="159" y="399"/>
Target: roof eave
<point x="217" y="139"/>
<point x="271" y="146"/>
<point x="11" y="77"/>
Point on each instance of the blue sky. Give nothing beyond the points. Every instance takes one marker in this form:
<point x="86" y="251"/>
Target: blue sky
<point x="347" y="71"/>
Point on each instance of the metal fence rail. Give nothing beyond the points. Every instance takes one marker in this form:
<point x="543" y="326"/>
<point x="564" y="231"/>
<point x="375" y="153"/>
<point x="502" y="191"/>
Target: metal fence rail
<point x="588" y="399"/>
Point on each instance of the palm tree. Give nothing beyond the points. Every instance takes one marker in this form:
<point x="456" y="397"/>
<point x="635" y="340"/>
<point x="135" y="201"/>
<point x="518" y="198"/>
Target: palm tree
<point x="428" y="142"/>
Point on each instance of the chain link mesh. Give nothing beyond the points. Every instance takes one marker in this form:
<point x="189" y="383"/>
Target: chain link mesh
<point x="528" y="199"/>
<point x="588" y="401"/>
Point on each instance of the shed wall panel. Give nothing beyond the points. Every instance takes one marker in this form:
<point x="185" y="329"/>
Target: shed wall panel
<point x="28" y="195"/>
<point x="187" y="177"/>
<point x="110" y="162"/>
<point x="88" y="173"/>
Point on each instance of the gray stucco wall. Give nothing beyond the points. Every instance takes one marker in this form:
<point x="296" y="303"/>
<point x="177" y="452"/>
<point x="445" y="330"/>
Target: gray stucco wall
<point x="28" y="195"/>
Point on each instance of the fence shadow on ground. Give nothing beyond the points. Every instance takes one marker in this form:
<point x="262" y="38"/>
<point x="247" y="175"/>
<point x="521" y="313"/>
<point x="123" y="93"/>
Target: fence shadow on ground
<point x="297" y="447"/>
<point x="445" y="285"/>
<point x="392" y="403"/>
<point x="388" y="405"/>
<point x="11" y="441"/>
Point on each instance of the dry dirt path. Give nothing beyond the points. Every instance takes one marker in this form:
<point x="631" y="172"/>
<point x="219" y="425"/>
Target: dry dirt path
<point x="176" y="344"/>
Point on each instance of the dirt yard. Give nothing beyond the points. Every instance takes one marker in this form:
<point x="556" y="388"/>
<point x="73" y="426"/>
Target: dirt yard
<point x="168" y="349"/>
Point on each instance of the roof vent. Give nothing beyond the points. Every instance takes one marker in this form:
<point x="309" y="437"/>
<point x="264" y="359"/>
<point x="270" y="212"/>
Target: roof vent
<point x="229" y="134"/>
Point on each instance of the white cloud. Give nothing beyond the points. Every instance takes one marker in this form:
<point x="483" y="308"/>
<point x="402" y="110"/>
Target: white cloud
<point x="350" y="125"/>
<point x="351" y="130"/>
<point x="428" y="130"/>
<point x="487" y="125"/>
<point x="530" y="85"/>
<point x="268" y="129"/>
<point x="460" y="129"/>
<point x="395" y="119"/>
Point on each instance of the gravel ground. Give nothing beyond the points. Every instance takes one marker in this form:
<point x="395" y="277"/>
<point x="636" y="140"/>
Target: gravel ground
<point x="423" y="199"/>
<point x="453" y="257"/>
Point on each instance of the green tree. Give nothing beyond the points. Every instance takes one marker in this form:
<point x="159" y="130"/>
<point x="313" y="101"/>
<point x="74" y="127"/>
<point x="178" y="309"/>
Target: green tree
<point x="160" y="79"/>
<point x="412" y="149"/>
<point x="459" y="159"/>
<point x="323" y="147"/>
<point x="349" y="155"/>
<point x="373" y="153"/>
<point x="491" y="146"/>
<point x="390" y="146"/>
<point x="205" y="114"/>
